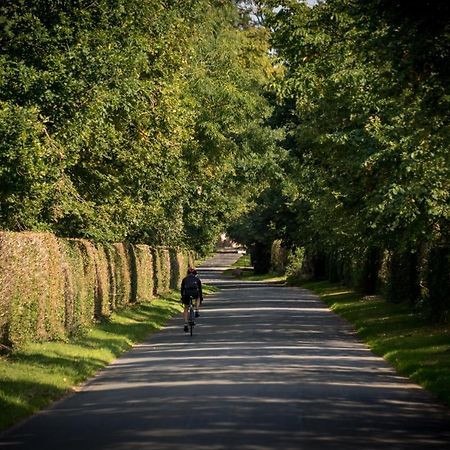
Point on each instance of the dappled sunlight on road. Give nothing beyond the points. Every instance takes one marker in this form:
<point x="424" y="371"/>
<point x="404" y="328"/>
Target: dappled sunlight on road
<point x="268" y="367"/>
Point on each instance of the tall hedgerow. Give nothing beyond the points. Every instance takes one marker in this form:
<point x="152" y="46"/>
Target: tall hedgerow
<point x="31" y="287"/>
<point x="54" y="288"/>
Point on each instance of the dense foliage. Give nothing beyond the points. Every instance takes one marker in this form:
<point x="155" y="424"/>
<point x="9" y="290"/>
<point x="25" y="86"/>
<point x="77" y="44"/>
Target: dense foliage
<point x="60" y="287"/>
<point x="165" y="122"/>
<point x="129" y="119"/>
<point x="364" y="100"/>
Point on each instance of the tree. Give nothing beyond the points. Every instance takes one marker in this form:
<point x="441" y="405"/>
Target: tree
<point x="131" y="120"/>
<point x="363" y="99"/>
<point x="233" y="150"/>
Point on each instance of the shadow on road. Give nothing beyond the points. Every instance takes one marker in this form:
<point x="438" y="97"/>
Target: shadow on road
<point x="268" y="367"/>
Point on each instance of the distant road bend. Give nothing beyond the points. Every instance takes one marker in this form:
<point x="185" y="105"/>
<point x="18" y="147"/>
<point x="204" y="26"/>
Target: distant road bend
<point x="269" y="367"/>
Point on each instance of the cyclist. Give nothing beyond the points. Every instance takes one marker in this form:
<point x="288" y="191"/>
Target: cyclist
<point x="191" y="288"/>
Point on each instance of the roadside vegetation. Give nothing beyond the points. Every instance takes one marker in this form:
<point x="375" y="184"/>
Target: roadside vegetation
<point x="137" y="121"/>
<point x="243" y="270"/>
<point x="363" y="193"/>
<point x="362" y="200"/>
<point x="243" y="261"/>
<point x="321" y="131"/>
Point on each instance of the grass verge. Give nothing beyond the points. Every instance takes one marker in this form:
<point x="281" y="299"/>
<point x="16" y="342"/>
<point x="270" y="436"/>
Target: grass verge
<point x="37" y="374"/>
<point x="243" y="270"/>
<point x="416" y="348"/>
<point x="243" y="261"/>
<point x="247" y="274"/>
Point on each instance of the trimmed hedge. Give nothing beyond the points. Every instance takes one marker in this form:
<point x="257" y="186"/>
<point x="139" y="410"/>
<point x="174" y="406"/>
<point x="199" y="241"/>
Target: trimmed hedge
<point x="79" y="293"/>
<point x="179" y="263"/>
<point x="51" y="288"/>
<point x="144" y="272"/>
<point x="278" y="257"/>
<point x="164" y="275"/>
<point x="31" y="288"/>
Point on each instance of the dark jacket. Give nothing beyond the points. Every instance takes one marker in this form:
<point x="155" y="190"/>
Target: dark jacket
<point x="199" y="284"/>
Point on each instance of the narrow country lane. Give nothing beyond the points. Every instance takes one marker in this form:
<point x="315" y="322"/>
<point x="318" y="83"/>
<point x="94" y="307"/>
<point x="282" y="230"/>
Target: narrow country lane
<point x="268" y="367"/>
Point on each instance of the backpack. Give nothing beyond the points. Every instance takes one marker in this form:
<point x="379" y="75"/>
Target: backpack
<point x="191" y="287"/>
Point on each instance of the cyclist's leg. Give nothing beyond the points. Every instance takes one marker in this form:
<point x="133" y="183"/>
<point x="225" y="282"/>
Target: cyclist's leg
<point x="185" y="313"/>
<point x="197" y="307"/>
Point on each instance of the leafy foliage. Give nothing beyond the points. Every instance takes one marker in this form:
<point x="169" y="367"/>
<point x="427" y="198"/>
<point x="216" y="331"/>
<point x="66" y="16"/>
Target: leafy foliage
<point x="130" y="120"/>
<point x="367" y="142"/>
<point x="363" y="98"/>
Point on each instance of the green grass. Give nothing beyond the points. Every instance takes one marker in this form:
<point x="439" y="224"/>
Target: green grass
<point x="416" y="348"/>
<point x="207" y="289"/>
<point x="243" y="270"/>
<point x="247" y="274"/>
<point x="243" y="261"/>
<point x="39" y="373"/>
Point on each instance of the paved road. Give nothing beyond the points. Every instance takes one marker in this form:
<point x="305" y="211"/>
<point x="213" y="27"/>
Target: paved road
<point x="268" y="367"/>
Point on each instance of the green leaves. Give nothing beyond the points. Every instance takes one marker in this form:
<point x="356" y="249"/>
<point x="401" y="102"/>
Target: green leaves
<point x="113" y="113"/>
<point x="367" y="141"/>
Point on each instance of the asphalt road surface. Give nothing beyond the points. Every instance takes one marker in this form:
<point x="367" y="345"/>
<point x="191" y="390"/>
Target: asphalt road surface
<point x="268" y="367"/>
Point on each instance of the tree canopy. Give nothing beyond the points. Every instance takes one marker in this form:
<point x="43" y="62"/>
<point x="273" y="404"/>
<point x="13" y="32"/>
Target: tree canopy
<point x="131" y="120"/>
<point x="167" y="122"/>
<point x="362" y="95"/>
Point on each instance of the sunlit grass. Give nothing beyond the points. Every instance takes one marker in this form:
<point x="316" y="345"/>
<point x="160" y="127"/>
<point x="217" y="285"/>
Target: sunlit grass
<point x="243" y="261"/>
<point x="242" y="269"/>
<point x="247" y="274"/>
<point x="207" y="289"/>
<point x="417" y="348"/>
<point x="270" y="278"/>
<point x="37" y="374"/>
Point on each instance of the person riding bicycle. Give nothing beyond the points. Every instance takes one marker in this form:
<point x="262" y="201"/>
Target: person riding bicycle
<point x="191" y="288"/>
